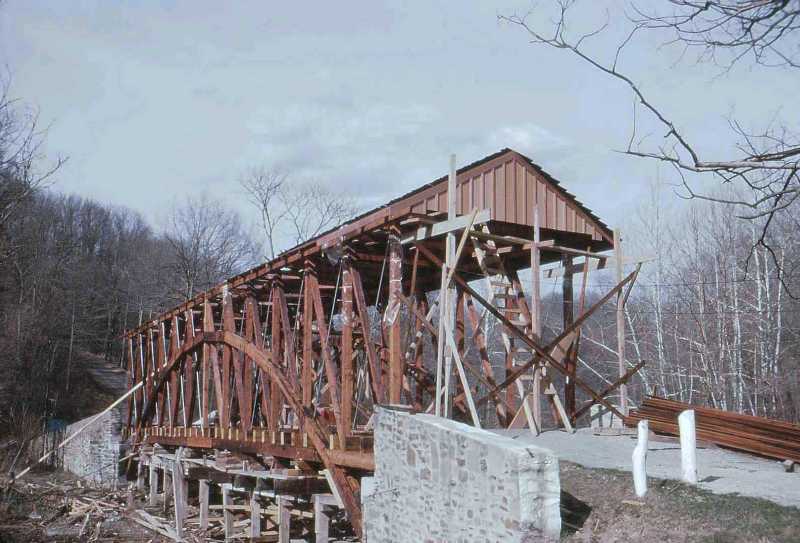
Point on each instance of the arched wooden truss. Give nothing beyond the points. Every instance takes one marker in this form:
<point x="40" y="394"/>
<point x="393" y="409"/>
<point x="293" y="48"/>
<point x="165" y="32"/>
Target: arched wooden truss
<point x="288" y="360"/>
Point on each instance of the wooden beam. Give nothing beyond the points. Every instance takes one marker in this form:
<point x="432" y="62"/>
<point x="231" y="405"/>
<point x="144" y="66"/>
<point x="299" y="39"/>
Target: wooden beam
<point x="574" y="252"/>
<point x="486" y="366"/>
<point x="202" y="492"/>
<point x="396" y="363"/>
<point x="253" y="332"/>
<point x="331" y="371"/>
<point x="211" y="364"/>
<point x="348" y="375"/>
<point x="179" y="493"/>
<point x="568" y="317"/>
<point x="442" y="228"/>
<point x="236" y="364"/>
<point x="306" y="371"/>
<point x="227" y="514"/>
<point x="366" y="330"/>
<point x="189" y="371"/>
<point x="536" y="317"/>
<point x="623" y="390"/>
<point x="284" y="519"/>
<point x="462" y="375"/>
<point x="255" y="516"/>
<point x="595" y="264"/>
<point x="609" y="389"/>
<point x="277" y="347"/>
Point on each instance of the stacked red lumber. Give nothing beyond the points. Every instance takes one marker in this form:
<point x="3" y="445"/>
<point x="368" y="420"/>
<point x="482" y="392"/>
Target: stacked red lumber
<point x="765" y="437"/>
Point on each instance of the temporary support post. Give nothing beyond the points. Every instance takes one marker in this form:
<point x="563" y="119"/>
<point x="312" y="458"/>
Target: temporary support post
<point x="202" y="495"/>
<point x="444" y="356"/>
<point x="449" y="306"/>
<point x="323" y="507"/>
<point x="255" y="516"/>
<point x="536" y="316"/>
<point x="284" y="519"/>
<point x="623" y="389"/>
<point x="140" y="482"/>
<point x="568" y="319"/>
<point x="153" y="483"/>
<point x="227" y="513"/>
<point x="179" y="493"/>
<point x="396" y="363"/>
<point x="166" y="487"/>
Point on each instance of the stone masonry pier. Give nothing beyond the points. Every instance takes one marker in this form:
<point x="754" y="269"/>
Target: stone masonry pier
<point x="437" y="480"/>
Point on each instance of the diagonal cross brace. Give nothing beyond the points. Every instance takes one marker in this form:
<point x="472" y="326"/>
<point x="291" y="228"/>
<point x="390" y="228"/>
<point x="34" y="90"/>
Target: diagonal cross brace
<point x="540" y="351"/>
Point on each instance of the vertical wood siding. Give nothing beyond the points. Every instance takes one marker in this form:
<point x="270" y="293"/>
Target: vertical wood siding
<point x="510" y="187"/>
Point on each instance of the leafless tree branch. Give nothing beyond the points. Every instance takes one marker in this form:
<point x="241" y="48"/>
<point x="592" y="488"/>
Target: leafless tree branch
<point x="764" y="163"/>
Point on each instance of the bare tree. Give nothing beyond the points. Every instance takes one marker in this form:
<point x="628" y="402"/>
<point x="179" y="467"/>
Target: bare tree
<point x="765" y="163"/>
<point x="294" y="210"/>
<point x="312" y="208"/>
<point x="263" y="189"/>
<point x="208" y="243"/>
<point x="727" y="31"/>
<point x="21" y="140"/>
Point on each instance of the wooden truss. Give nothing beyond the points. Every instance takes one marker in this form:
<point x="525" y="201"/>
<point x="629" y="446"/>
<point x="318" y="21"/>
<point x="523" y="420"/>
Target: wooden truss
<point x="287" y="362"/>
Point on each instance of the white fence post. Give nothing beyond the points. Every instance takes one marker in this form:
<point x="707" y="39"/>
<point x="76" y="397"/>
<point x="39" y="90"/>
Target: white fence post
<point x="640" y="460"/>
<point x="688" y="446"/>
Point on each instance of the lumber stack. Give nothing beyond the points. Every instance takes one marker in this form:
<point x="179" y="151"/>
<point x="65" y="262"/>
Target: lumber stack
<point x="758" y="435"/>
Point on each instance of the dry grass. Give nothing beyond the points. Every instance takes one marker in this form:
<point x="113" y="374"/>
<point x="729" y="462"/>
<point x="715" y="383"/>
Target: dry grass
<point x="602" y="506"/>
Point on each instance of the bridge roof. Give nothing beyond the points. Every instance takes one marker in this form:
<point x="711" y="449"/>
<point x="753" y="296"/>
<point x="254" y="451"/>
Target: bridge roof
<point x="507" y="183"/>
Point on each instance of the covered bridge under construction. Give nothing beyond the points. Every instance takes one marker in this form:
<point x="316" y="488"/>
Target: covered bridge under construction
<point x="267" y="383"/>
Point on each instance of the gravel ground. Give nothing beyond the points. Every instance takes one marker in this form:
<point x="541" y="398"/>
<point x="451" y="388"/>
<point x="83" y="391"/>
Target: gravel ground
<point x="721" y="471"/>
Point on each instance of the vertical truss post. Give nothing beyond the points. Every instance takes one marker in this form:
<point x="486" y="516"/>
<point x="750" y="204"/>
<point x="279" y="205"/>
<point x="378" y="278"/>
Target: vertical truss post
<point x="253" y="331"/>
<point x="211" y="364"/>
<point x="347" y="349"/>
<point x="245" y="365"/>
<point x="395" y="287"/>
<point x="331" y="371"/>
<point x="419" y="364"/>
<point x="127" y="346"/>
<point x="174" y="348"/>
<point x="188" y="398"/>
<point x="227" y="355"/>
<point x="306" y="366"/>
<point x="150" y="365"/>
<point x="160" y="362"/>
<point x="277" y="348"/>
<point x="366" y="330"/>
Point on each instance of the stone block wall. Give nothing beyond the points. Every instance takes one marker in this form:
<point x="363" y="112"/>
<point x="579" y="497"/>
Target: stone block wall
<point x="95" y="453"/>
<point x="437" y="480"/>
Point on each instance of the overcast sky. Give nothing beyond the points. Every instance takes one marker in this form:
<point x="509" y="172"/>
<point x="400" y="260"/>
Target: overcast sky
<point x="155" y="100"/>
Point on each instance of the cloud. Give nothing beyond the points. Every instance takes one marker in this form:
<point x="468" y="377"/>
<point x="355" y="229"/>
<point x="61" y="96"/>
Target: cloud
<point x="526" y="138"/>
<point x="377" y="151"/>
